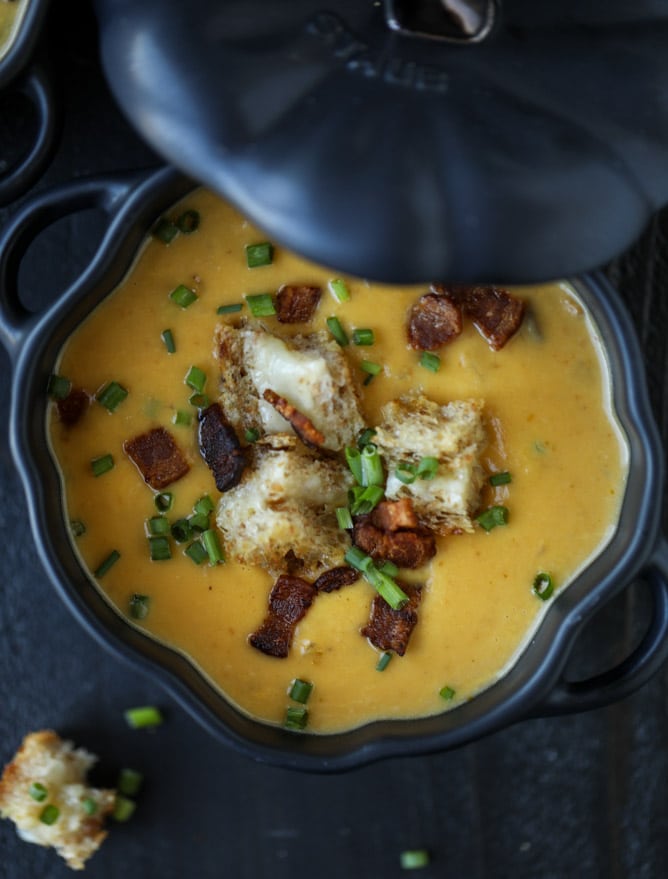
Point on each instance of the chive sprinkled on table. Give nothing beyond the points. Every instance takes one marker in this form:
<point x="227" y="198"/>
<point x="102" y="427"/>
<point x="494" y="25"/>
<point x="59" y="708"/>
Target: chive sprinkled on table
<point x="143" y="717"/>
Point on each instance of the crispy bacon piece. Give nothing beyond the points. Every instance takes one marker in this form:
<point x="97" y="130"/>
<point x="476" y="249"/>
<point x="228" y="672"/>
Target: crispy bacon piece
<point x="433" y="321"/>
<point x="296" y="303"/>
<point x="395" y="515"/>
<point x="496" y="313"/>
<point x="220" y="447"/>
<point x="390" y="629"/>
<point x="72" y="408"/>
<point x="289" y="600"/>
<point x="407" y="549"/>
<point x="335" y="578"/>
<point x="302" y="426"/>
<point x="157" y="457"/>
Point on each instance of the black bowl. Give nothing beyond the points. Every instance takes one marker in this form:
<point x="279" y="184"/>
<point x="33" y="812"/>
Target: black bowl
<point x="534" y="686"/>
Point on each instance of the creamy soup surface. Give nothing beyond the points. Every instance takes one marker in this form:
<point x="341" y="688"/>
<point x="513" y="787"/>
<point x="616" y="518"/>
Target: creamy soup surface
<point x="549" y="424"/>
<point x="11" y="13"/>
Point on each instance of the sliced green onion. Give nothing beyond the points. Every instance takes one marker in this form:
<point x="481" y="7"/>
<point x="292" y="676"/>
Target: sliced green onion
<point x="49" y="814"/>
<point x="372" y="466"/>
<point x="363" y="337"/>
<point x="111" y="396"/>
<point x="199" y="521"/>
<point x="385" y="586"/>
<point x="430" y="361"/>
<point x="188" y="222"/>
<point x="183" y="296"/>
<point x="372" y="369"/>
<point x="296" y="717"/>
<point x="344" y="519"/>
<point x="335" y="328"/>
<point x="165" y="231"/>
<point x="500" y="478"/>
<point x="196" y="552"/>
<point x="388" y="568"/>
<point x="300" y="690"/>
<point x="89" y="805"/>
<point x="164" y="501"/>
<point x="383" y="661"/>
<point x="167" y="337"/>
<point x="543" y="585"/>
<point x="492" y="517"/>
<point x="129" y="782"/>
<point x="261" y="304"/>
<point x="358" y="559"/>
<point x="233" y="308"/>
<point x="339" y="290"/>
<point x="199" y="401"/>
<point x="139" y="606"/>
<point x="427" y="467"/>
<point x="252" y="435"/>
<point x="182" y="418"/>
<point x="367" y="500"/>
<point x="157" y="525"/>
<point x="77" y="527"/>
<point x="38" y="792"/>
<point x="261" y="254"/>
<point x="181" y="530"/>
<point x="101" y="465"/>
<point x="196" y="378"/>
<point x="354" y="461"/>
<point x="58" y="387"/>
<point x="212" y="546"/>
<point x="204" y="505"/>
<point x="446" y="693"/>
<point x="123" y="809"/>
<point x="143" y="716"/>
<point x="160" y="549"/>
<point x="406" y="472"/>
<point x="110" y="560"/>
<point x="365" y="437"/>
<point x="414" y="859"/>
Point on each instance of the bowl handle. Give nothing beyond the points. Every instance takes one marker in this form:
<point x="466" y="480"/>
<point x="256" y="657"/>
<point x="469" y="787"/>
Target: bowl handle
<point x="636" y="669"/>
<point x="41" y="209"/>
<point x="36" y="86"/>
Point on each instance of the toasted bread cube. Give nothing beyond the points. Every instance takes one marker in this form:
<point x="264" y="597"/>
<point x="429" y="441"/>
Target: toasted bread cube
<point x="47" y="760"/>
<point x="310" y="372"/>
<point x="284" y="509"/>
<point x="414" y="427"/>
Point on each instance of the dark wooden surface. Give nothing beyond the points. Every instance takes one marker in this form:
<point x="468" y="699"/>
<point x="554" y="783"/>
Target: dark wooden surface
<point x="578" y="796"/>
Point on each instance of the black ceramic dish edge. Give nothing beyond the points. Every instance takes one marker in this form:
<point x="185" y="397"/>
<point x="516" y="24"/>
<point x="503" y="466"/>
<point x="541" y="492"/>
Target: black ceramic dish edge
<point x="534" y="686"/>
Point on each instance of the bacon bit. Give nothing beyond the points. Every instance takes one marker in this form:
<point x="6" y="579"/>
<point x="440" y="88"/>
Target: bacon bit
<point x="157" y="457"/>
<point x="296" y="303"/>
<point x="302" y="426"/>
<point x="220" y="447"/>
<point x="390" y="629"/>
<point x="289" y="600"/>
<point x="73" y="407"/>
<point x="395" y="515"/>
<point x="406" y="549"/>
<point x="496" y="313"/>
<point x="335" y="578"/>
<point x="433" y="321"/>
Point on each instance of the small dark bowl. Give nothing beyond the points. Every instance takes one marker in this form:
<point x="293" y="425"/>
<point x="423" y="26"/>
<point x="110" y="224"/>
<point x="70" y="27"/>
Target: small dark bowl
<point x="534" y="686"/>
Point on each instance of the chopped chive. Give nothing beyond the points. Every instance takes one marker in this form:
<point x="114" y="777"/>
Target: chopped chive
<point x="159" y="548"/>
<point x="300" y="690"/>
<point x="230" y="309"/>
<point x="183" y="296"/>
<point x="157" y="525"/>
<point x="388" y="568"/>
<point x="372" y="369"/>
<point x="139" y="606"/>
<point x="358" y="559"/>
<point x="38" y="792"/>
<point x="354" y="461"/>
<point x="543" y="585"/>
<point x="204" y="505"/>
<point x="335" y="328"/>
<point x="414" y="859"/>
<point x="182" y="418"/>
<point x="129" y="782"/>
<point x="296" y="717"/>
<point x="77" y="527"/>
<point x="143" y="716"/>
<point x="363" y="337"/>
<point x="446" y="693"/>
<point x="252" y="435"/>
<point x="199" y="401"/>
<point x="49" y="814"/>
<point x="89" y="805"/>
<point x="199" y="521"/>
<point x="213" y="547"/>
<point x="427" y="467"/>
<point x="430" y="361"/>
<point x="188" y="222"/>
<point x="372" y="466"/>
<point x="383" y="661"/>
<point x="58" y="387"/>
<point x="165" y="231"/>
<point x="110" y="560"/>
<point x="196" y="552"/>
<point x="367" y="500"/>
<point x="167" y="337"/>
<point x="339" y="290"/>
<point x="196" y="378"/>
<point x="164" y="501"/>
<point x="111" y="396"/>
<point x="261" y="254"/>
<point x="365" y="437"/>
<point x="181" y="530"/>
<point x="492" y="517"/>
<point x="261" y="304"/>
<point x="500" y="478"/>
<point x="123" y="808"/>
<point x="406" y="472"/>
<point x="344" y="518"/>
<point x="101" y="465"/>
<point x="385" y="586"/>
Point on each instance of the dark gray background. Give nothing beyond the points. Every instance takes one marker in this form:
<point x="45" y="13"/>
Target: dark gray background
<point x="579" y="796"/>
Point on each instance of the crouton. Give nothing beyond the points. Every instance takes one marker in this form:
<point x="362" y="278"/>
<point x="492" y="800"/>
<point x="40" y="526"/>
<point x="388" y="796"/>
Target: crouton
<point x="284" y="509"/>
<point x="413" y="428"/>
<point x="310" y="372"/>
<point x="56" y="774"/>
